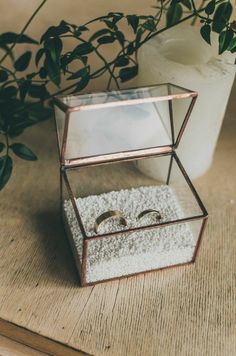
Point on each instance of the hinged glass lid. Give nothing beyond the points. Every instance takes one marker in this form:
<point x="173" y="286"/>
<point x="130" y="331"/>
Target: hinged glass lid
<point x="121" y="124"/>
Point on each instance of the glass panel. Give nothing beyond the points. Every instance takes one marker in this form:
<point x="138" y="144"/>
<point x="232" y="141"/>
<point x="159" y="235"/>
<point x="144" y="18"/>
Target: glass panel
<point x="60" y="123"/>
<point x="179" y="109"/>
<point x="186" y="199"/>
<point x="157" y="169"/>
<point x="132" y="188"/>
<point x="118" y="129"/>
<point x="71" y="226"/>
<point x="141" y="251"/>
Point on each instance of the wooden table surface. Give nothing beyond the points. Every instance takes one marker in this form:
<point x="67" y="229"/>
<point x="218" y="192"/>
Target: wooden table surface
<point x="184" y="311"/>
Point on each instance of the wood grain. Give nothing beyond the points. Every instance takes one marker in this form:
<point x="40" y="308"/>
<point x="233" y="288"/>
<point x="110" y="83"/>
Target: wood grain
<point x="33" y="340"/>
<point x="9" y="347"/>
<point x="184" y="311"/>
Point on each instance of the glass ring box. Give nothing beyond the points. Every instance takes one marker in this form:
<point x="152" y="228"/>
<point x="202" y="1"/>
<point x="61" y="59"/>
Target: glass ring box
<point x="128" y="205"/>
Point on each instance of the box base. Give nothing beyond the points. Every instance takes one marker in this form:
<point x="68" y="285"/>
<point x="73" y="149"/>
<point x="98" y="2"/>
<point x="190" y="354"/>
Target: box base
<point x="133" y="252"/>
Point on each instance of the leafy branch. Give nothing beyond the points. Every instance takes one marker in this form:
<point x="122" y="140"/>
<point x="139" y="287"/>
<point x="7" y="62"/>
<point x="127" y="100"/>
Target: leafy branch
<point x="25" y="97"/>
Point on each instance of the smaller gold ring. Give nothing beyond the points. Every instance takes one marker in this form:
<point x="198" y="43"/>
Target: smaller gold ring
<point x="150" y="211"/>
<point x="115" y="214"/>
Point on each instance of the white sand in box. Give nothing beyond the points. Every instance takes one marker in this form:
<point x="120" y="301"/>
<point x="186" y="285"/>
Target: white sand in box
<point x="138" y="251"/>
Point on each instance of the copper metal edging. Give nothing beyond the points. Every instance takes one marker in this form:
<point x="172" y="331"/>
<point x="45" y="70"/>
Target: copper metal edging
<point x="57" y="134"/>
<point x="64" y="140"/>
<point x="171" y="117"/>
<point x="181" y="131"/>
<point x="200" y="238"/>
<point x="182" y="88"/>
<point x="188" y="93"/>
<point x="169" y="170"/>
<point x="84" y="263"/>
<point x="130" y="102"/>
<point x="60" y="104"/>
<point x="117" y="156"/>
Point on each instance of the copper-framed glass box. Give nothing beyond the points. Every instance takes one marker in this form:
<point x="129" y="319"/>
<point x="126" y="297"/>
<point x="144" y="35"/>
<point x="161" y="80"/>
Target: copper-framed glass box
<point x="128" y="206"/>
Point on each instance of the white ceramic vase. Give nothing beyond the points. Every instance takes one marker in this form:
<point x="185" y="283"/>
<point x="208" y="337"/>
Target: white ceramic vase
<point x="180" y="56"/>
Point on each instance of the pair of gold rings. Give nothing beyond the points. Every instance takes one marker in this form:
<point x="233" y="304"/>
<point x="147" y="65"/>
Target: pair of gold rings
<point x="116" y="214"/>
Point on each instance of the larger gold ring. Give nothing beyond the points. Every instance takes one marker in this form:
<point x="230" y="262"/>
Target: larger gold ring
<point x="115" y="214"/>
<point x="150" y="211"/>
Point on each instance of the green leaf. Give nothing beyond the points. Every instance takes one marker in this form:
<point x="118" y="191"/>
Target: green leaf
<point x="23" y="121"/>
<point x="39" y="55"/>
<point x="54" y="45"/>
<point x="38" y="91"/>
<point x="133" y="21"/>
<point x="24" y="87"/>
<point x="5" y="170"/>
<point x="83" y="28"/>
<point x="106" y="39"/>
<point x="122" y="61"/>
<point x="120" y="37"/>
<point x="128" y="73"/>
<point x="174" y="14"/>
<point x="7" y="50"/>
<point x="2" y="146"/>
<point x="83" y="48"/>
<point x="52" y="69"/>
<point x="149" y="25"/>
<point x="65" y="60"/>
<point x="43" y="73"/>
<point x="38" y="112"/>
<point x="80" y="73"/>
<point x="206" y="33"/>
<point x="12" y="37"/>
<point x="116" y="17"/>
<point x="55" y="31"/>
<point x="210" y="8"/>
<point x="8" y="92"/>
<point x="16" y="131"/>
<point x="100" y="33"/>
<point x="187" y="3"/>
<point x="120" y="14"/>
<point x="23" y="61"/>
<point x="225" y="40"/>
<point x="221" y="16"/>
<point x="3" y="75"/>
<point x="82" y="84"/>
<point x="232" y="45"/>
<point x="130" y="49"/>
<point x="110" y="24"/>
<point x="30" y="76"/>
<point x="23" y="152"/>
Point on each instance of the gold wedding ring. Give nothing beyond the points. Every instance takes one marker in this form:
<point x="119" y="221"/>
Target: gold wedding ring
<point x="150" y="211"/>
<point x="114" y="214"/>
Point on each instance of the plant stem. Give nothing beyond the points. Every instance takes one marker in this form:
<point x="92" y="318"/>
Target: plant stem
<point x="24" y="29"/>
<point x="108" y="67"/>
<point x="195" y="18"/>
<point x="197" y="11"/>
<point x="7" y="143"/>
